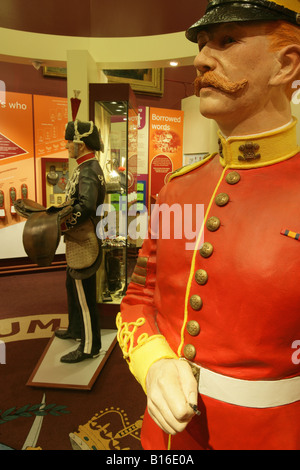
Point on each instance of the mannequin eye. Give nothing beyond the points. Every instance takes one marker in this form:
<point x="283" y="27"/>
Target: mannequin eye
<point x="228" y="40"/>
<point x="202" y="40"/>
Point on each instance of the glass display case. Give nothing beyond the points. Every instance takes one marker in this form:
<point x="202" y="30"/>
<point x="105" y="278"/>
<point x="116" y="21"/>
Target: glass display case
<point x="114" y="111"/>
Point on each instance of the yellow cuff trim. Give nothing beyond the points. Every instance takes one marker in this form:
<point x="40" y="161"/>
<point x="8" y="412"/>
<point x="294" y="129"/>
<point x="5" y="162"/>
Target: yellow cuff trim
<point x="147" y="350"/>
<point x="144" y="356"/>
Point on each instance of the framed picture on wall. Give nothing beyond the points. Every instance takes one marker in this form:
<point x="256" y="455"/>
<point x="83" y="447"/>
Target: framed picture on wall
<point x="60" y="72"/>
<point x="144" y="81"/>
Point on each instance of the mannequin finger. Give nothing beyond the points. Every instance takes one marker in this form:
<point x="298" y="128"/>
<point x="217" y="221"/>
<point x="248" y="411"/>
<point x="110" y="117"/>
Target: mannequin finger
<point x="178" y="404"/>
<point x="188" y="383"/>
<point x="161" y="415"/>
<point x="165" y="418"/>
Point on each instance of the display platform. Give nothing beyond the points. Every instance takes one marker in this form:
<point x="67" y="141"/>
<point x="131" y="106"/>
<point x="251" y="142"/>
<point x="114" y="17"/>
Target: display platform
<point x="50" y="372"/>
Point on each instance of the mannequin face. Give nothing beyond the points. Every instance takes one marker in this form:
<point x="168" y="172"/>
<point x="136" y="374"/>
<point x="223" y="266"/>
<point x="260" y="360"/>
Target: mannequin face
<point x="73" y="152"/>
<point x="239" y="54"/>
<point x="70" y="148"/>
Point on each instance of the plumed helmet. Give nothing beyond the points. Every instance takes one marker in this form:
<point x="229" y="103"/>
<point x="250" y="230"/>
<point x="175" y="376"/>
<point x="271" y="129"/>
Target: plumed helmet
<point x="225" y="11"/>
<point x="86" y="132"/>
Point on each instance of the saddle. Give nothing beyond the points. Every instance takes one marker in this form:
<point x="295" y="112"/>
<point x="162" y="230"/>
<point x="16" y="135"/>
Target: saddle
<point x="82" y="247"/>
<point x="42" y="230"/>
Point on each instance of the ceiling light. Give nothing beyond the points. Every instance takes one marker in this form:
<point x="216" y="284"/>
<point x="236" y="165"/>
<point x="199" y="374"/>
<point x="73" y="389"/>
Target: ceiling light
<point x="173" y="63"/>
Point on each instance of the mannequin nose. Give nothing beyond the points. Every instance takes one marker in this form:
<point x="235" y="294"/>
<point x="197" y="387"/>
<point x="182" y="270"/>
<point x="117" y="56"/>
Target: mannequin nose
<point x="204" y="61"/>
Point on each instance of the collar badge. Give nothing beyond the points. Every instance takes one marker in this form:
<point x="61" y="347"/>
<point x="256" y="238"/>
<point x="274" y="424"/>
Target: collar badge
<point x="249" y="152"/>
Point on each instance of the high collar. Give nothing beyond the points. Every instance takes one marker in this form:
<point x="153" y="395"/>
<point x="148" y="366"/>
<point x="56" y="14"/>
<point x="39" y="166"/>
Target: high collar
<point x="85" y="158"/>
<point x="255" y="151"/>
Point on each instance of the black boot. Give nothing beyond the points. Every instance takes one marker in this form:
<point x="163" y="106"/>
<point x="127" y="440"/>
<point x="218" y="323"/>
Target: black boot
<point x="66" y="334"/>
<point x="78" y="355"/>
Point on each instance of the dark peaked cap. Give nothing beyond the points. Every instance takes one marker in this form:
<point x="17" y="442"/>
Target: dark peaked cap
<point x="226" y="11"/>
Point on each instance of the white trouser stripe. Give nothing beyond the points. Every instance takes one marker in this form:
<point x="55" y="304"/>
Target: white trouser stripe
<point x="249" y="393"/>
<point x="86" y="317"/>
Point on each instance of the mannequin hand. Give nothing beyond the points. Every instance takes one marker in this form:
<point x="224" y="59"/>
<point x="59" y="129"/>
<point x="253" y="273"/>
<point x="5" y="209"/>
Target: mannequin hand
<point x="171" y="386"/>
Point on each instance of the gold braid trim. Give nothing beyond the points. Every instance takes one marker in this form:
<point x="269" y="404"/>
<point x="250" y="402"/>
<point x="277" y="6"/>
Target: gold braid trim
<point x="126" y="336"/>
<point x="126" y="332"/>
<point x="148" y="349"/>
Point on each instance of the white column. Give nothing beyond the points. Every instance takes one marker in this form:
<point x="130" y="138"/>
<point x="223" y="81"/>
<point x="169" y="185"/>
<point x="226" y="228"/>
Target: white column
<point x="81" y="71"/>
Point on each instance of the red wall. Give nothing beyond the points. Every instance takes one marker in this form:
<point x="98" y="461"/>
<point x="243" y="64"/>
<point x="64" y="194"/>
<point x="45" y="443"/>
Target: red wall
<point x="26" y="79"/>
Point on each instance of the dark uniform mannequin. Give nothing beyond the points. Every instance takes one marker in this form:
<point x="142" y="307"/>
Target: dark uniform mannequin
<point x="87" y="188"/>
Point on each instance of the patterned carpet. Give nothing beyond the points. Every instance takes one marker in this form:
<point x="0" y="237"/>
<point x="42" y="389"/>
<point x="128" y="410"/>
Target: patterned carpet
<point x="108" y="417"/>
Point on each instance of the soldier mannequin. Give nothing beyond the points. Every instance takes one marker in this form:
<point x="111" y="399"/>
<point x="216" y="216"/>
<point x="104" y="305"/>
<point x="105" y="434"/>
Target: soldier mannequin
<point x="87" y="188"/>
<point x="214" y="327"/>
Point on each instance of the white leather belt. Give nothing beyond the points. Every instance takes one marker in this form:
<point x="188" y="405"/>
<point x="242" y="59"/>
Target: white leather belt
<point x="249" y="393"/>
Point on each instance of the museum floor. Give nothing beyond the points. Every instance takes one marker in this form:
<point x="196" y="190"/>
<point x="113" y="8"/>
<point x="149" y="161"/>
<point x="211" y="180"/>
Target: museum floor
<point x="107" y="417"/>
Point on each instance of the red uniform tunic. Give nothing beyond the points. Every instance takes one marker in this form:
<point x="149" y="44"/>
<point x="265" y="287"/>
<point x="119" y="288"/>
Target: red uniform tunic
<point x="230" y="305"/>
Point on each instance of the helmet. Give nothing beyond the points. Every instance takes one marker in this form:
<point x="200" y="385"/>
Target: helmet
<point x="225" y="11"/>
<point x="83" y="132"/>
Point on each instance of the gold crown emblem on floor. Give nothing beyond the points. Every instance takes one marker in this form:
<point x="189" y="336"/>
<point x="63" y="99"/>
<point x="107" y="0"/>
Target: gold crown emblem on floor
<point x="109" y="429"/>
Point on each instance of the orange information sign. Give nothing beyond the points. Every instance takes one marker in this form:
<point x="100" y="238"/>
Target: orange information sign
<point x="17" y="168"/>
<point x="50" y="119"/>
<point x="16" y="128"/>
<point x="165" y="147"/>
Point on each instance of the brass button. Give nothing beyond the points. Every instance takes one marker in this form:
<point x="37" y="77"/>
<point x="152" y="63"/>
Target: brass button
<point x="222" y="199"/>
<point x="233" y="177"/>
<point x="189" y="352"/>
<point x="206" y="250"/>
<point x="201" y="277"/>
<point x="213" y="224"/>
<point x="193" y="328"/>
<point x="196" y="302"/>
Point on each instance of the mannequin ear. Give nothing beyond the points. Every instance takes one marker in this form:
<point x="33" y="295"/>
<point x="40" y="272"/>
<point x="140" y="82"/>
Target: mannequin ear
<point x="288" y="65"/>
<point x="81" y="148"/>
